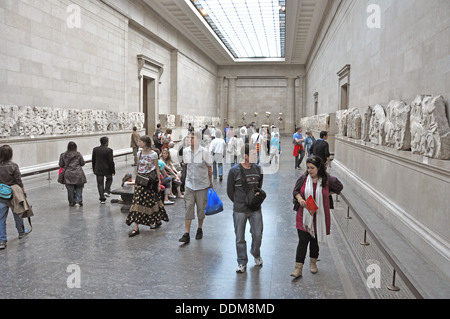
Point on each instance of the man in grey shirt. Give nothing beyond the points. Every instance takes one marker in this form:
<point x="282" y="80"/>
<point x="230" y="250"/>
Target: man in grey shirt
<point x="241" y="213"/>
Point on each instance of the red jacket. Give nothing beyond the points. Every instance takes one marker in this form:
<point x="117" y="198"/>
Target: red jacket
<point x="297" y="149"/>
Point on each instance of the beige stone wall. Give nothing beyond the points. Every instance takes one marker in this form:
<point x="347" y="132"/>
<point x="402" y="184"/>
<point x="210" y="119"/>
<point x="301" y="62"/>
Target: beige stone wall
<point x="197" y="88"/>
<point x="141" y="43"/>
<point x="84" y="55"/>
<point x="408" y="55"/>
<point x="410" y="192"/>
<point x="261" y="89"/>
<point x="44" y="62"/>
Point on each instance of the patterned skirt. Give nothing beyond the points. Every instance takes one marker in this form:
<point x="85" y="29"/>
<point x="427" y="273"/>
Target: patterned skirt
<point x="146" y="207"/>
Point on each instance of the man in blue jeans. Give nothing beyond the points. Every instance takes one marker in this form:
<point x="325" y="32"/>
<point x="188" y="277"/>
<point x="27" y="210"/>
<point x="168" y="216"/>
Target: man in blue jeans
<point x="299" y="151"/>
<point x="241" y="213"/>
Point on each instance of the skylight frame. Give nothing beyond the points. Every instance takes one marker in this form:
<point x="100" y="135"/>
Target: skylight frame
<point x="240" y="31"/>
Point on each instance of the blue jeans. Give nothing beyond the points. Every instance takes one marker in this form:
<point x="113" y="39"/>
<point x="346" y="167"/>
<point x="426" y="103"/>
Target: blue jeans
<point x="74" y="193"/>
<point x="3" y="215"/>
<point x="256" y="229"/>
<point x="220" y="165"/>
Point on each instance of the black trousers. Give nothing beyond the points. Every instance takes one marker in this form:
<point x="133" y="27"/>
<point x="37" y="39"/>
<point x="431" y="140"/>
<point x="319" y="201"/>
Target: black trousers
<point x="104" y="187"/>
<point x="299" y="158"/>
<point x="305" y="238"/>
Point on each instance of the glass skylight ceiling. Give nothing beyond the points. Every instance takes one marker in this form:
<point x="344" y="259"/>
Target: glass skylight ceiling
<point x="248" y="28"/>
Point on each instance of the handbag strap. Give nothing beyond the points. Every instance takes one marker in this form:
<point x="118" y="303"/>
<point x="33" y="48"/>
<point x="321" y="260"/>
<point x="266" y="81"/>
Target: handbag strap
<point x="244" y="179"/>
<point x="67" y="165"/>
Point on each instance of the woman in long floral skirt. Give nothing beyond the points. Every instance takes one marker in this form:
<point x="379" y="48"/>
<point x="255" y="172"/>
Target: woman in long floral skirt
<point x="147" y="207"/>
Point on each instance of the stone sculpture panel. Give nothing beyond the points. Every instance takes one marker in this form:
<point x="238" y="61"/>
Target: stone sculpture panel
<point x="318" y="122"/>
<point x="421" y="126"/>
<point x="354" y="123"/>
<point x="377" y="121"/>
<point x="341" y="122"/>
<point x="430" y="131"/>
<point x="365" y="123"/>
<point x="396" y="128"/>
<point x="26" y="121"/>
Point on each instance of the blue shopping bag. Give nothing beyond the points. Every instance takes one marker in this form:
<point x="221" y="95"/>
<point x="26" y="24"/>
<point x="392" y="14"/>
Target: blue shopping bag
<point x="215" y="205"/>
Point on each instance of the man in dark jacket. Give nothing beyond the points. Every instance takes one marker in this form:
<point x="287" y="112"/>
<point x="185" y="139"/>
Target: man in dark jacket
<point x="321" y="148"/>
<point x="241" y="213"/>
<point x="103" y="166"/>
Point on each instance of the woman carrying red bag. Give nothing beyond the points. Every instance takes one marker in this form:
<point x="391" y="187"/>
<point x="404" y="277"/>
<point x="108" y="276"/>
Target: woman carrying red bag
<point x="313" y="228"/>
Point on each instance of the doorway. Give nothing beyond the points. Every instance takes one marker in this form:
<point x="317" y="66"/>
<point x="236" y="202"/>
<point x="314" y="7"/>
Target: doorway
<point x="149" y="104"/>
<point x="344" y="97"/>
<point x="344" y="87"/>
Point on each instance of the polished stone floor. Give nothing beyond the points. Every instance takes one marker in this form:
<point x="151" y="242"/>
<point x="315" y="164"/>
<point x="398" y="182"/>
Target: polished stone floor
<point x="88" y="247"/>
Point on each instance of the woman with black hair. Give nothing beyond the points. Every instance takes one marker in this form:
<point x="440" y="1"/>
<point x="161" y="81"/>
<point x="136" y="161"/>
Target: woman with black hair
<point x="71" y="163"/>
<point x="9" y="175"/>
<point x="313" y="227"/>
<point x="147" y="207"/>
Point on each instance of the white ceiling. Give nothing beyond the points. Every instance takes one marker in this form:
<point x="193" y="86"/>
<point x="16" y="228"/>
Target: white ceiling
<point x="303" y="20"/>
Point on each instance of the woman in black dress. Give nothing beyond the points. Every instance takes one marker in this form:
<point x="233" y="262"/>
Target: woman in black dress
<point x="147" y="207"/>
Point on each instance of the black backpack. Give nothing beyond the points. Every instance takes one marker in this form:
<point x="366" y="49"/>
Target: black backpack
<point x="255" y="196"/>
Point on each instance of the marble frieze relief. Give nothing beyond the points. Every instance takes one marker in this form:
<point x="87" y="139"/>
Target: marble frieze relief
<point x="420" y="126"/>
<point x="28" y="121"/>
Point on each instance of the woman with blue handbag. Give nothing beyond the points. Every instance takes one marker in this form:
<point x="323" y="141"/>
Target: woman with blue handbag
<point x="9" y="175"/>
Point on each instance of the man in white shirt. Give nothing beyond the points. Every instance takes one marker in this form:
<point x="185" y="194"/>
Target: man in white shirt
<point x="217" y="149"/>
<point x="198" y="179"/>
<point x="255" y="140"/>
<point x="213" y="132"/>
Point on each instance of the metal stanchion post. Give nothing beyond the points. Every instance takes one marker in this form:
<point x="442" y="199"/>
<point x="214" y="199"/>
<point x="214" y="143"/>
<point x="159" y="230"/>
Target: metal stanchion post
<point x="348" y="214"/>
<point x="393" y="287"/>
<point x="364" y="242"/>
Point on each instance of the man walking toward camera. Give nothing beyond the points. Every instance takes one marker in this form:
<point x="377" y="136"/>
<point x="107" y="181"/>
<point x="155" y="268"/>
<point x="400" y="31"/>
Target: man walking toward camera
<point x="198" y="179"/>
<point x="241" y="213"/>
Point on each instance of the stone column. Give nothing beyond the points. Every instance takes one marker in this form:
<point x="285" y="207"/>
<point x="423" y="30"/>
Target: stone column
<point x="174" y="82"/>
<point x="302" y="112"/>
<point x="290" y="105"/>
<point x="231" y="105"/>
<point x="223" y="110"/>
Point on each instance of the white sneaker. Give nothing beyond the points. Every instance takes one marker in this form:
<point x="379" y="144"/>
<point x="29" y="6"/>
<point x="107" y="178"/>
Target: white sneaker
<point x="258" y="261"/>
<point x="168" y="202"/>
<point x="241" y="268"/>
<point x="107" y="194"/>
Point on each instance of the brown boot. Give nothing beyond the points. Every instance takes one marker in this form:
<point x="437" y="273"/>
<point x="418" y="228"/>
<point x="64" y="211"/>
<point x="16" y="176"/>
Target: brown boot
<point x="313" y="265"/>
<point x="298" y="270"/>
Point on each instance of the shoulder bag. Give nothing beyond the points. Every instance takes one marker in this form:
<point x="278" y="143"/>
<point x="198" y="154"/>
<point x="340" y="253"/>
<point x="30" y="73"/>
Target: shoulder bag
<point x="5" y="191"/>
<point x="146" y="180"/>
<point x="255" y="196"/>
